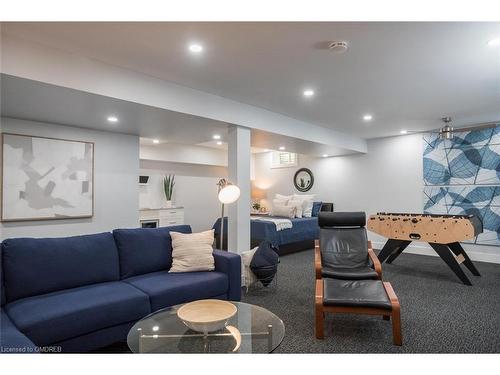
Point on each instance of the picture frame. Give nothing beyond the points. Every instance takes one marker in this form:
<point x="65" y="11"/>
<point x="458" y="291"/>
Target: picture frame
<point x="303" y="180"/>
<point x="45" y="178"/>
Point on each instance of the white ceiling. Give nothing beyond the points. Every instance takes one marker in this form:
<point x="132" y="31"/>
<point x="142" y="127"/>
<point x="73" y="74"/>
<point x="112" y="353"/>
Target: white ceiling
<point x="37" y="101"/>
<point x="407" y="75"/>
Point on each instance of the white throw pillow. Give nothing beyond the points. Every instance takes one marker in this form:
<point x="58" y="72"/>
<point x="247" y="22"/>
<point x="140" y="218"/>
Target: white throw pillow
<point x="246" y="259"/>
<point x="280" y="201"/>
<point x="298" y="207"/>
<point x="280" y="210"/>
<point x="283" y="197"/>
<point x="192" y="252"/>
<point x="307" y="203"/>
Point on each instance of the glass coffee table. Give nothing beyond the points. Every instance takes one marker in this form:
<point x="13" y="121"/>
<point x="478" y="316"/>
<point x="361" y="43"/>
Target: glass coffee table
<point x="252" y="330"/>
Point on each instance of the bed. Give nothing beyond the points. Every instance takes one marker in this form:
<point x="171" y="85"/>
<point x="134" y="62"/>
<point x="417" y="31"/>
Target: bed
<point x="300" y="237"/>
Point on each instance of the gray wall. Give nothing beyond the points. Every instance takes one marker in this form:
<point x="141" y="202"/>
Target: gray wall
<point x="116" y="191"/>
<point x="387" y="178"/>
<point x="195" y="189"/>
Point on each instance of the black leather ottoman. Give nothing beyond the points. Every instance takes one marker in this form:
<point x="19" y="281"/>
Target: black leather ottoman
<point x="360" y="293"/>
<point x="372" y="297"/>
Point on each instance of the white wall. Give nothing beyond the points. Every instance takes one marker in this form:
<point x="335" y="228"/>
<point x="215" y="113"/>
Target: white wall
<point x="116" y="169"/>
<point x="195" y="189"/>
<point x="388" y="178"/>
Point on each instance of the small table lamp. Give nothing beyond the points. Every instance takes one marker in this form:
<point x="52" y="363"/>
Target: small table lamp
<point x="228" y="193"/>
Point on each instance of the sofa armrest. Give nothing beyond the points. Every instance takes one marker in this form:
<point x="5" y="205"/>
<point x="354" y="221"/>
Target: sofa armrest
<point x="230" y="264"/>
<point x="12" y="340"/>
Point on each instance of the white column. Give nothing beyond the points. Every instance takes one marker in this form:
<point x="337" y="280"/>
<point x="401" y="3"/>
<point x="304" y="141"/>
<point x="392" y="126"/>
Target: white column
<point x="239" y="174"/>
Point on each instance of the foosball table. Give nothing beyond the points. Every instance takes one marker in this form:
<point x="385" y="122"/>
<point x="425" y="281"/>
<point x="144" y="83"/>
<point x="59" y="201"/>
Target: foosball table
<point x="442" y="232"/>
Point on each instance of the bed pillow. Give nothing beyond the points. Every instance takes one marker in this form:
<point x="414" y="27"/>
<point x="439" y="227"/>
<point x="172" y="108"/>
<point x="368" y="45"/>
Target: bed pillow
<point x="281" y="210"/>
<point x="283" y="198"/>
<point x="192" y="252"/>
<point x="279" y="202"/>
<point x="316" y="208"/>
<point x="307" y="200"/>
<point x="298" y="207"/>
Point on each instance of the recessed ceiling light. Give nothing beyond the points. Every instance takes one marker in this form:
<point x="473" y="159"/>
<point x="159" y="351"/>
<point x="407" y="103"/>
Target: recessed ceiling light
<point x="494" y="42"/>
<point x="155" y="328"/>
<point x="325" y="155"/>
<point x="156" y="141"/>
<point x="404" y="131"/>
<point x="282" y="148"/>
<point x="308" y="93"/>
<point x="219" y="143"/>
<point x="367" y="117"/>
<point x="216" y="136"/>
<point x="195" y="48"/>
<point x="112" y="119"/>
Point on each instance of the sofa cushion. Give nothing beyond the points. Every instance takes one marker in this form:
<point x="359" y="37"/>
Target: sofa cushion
<point x="145" y="250"/>
<point x="58" y="316"/>
<point x="11" y="339"/>
<point x="34" y="266"/>
<point x="167" y="289"/>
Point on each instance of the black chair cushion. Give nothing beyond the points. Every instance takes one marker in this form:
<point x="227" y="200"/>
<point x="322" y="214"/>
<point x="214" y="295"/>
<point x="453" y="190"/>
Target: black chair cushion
<point x="264" y="263"/>
<point x="344" y="247"/>
<point x="360" y="293"/>
<point x="358" y="273"/>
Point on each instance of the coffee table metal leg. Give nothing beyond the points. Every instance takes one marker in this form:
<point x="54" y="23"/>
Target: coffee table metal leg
<point x="270" y="338"/>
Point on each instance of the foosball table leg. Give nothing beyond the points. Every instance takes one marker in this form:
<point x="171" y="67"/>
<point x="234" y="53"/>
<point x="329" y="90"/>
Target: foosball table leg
<point x="398" y="252"/>
<point x="445" y="253"/>
<point x="459" y="250"/>
<point x="392" y="249"/>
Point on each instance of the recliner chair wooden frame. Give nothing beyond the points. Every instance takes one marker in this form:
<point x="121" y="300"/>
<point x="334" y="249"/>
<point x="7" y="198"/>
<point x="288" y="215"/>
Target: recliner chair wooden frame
<point x="394" y="314"/>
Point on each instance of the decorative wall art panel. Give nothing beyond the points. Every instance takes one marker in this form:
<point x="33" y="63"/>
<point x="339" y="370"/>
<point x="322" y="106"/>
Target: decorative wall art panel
<point x="462" y="177"/>
<point x="46" y="178"/>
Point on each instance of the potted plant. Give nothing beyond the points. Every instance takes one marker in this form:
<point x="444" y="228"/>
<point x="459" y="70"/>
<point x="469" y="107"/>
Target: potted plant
<point x="256" y="206"/>
<point x="168" y="188"/>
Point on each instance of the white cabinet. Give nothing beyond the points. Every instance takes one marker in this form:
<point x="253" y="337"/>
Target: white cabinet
<point x="163" y="217"/>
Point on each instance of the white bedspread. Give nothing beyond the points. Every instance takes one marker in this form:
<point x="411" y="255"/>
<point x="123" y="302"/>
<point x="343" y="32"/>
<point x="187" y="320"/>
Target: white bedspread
<point x="280" y="223"/>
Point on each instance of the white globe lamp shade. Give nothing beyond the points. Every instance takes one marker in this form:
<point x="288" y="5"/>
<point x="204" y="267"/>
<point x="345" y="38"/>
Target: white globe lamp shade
<point x="229" y="194"/>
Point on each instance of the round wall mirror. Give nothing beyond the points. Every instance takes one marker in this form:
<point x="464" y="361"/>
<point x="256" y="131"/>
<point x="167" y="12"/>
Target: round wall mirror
<point x="303" y="179"/>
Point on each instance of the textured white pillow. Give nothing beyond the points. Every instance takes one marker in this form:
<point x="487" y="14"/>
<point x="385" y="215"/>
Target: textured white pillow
<point x="192" y="252"/>
<point x="280" y="201"/>
<point x="307" y="203"/>
<point x="283" y="197"/>
<point x="281" y="210"/>
<point x="246" y="259"/>
<point x="298" y="207"/>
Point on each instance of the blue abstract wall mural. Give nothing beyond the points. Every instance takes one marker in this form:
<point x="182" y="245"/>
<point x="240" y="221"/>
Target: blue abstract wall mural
<point x="462" y="177"/>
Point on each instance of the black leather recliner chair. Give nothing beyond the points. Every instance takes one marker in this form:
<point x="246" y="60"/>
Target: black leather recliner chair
<point x="348" y="273"/>
<point x="344" y="248"/>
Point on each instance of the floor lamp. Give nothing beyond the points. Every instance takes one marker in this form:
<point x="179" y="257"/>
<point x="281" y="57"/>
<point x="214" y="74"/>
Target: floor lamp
<point x="228" y="193"/>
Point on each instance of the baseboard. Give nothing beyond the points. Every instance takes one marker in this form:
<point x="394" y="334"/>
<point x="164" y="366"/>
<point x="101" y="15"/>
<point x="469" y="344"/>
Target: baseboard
<point x="421" y="249"/>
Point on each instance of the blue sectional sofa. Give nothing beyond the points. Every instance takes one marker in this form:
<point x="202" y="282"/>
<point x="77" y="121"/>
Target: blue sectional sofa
<point x="77" y="294"/>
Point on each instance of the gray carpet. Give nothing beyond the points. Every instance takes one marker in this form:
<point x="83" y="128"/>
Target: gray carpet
<point x="439" y="313"/>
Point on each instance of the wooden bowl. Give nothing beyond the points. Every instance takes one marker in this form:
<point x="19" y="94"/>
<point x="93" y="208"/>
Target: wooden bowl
<point x="206" y="315"/>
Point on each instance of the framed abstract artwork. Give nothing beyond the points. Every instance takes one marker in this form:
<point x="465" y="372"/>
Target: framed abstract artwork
<point x="462" y="177"/>
<point x="46" y="178"/>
